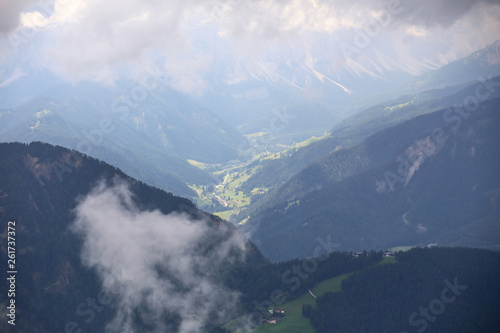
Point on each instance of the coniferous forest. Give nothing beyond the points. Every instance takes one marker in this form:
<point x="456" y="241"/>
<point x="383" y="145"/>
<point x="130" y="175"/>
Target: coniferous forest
<point x="428" y="290"/>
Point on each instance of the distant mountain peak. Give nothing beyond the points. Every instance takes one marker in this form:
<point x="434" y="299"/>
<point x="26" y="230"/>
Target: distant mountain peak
<point x="490" y="54"/>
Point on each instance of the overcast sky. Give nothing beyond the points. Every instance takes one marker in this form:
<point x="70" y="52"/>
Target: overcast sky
<point x="100" y="40"/>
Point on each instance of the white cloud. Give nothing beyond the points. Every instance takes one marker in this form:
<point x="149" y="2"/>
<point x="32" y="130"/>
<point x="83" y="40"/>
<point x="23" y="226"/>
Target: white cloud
<point x="158" y="263"/>
<point x="101" y="40"/>
<point x="10" y="13"/>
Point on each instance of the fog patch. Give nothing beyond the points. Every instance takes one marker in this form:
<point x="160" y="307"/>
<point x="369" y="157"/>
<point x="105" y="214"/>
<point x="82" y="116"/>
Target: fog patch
<point x="156" y="264"/>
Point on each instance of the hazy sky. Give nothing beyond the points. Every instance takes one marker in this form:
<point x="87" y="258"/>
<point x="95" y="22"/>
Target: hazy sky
<point x="101" y="40"/>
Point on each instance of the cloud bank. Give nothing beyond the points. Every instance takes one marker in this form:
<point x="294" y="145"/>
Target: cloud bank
<point x="10" y="13"/>
<point x="165" y="268"/>
<point x="100" y="40"/>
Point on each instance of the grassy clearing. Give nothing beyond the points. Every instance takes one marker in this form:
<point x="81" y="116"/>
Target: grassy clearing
<point x="236" y="179"/>
<point x="255" y="135"/>
<point x="387" y="260"/>
<point x="197" y="164"/>
<point x="260" y="190"/>
<point x="399" y="106"/>
<point x="330" y="285"/>
<point x="196" y="188"/>
<point x="245" y="220"/>
<point x="226" y="215"/>
<point x="294" y="321"/>
<point x="203" y="202"/>
<point x="310" y="141"/>
<point x="401" y="248"/>
<point x="288" y="150"/>
<point x="234" y="197"/>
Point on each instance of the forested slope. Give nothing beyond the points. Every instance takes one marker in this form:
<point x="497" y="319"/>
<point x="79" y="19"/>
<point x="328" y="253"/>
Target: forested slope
<point x="431" y="290"/>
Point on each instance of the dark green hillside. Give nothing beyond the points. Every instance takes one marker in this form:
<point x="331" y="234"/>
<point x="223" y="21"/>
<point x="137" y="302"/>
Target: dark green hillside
<point x="40" y="185"/>
<point x="448" y="181"/>
<point x="349" y="161"/>
<point x="428" y="290"/>
<point x="354" y="129"/>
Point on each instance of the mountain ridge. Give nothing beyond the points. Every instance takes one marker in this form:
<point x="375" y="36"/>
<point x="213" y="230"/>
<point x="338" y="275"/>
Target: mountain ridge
<point x="70" y="209"/>
<point x="332" y="207"/>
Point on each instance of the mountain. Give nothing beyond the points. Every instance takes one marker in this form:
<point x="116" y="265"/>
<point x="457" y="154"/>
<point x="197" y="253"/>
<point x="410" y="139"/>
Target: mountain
<point x="483" y="63"/>
<point x="272" y="173"/>
<point x="404" y="185"/>
<point x="317" y="98"/>
<point x="98" y="251"/>
<point x="152" y="139"/>
<point x="21" y="83"/>
<point x="244" y="93"/>
<point x="254" y="105"/>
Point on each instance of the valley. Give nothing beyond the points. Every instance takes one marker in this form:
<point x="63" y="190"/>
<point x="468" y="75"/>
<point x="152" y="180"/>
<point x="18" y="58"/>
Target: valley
<point x="410" y="140"/>
<point x="235" y="167"/>
<point x="228" y="197"/>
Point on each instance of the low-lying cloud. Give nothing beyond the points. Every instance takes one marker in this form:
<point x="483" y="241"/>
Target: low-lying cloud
<point x="159" y="264"/>
<point x="443" y="13"/>
<point x="105" y="40"/>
